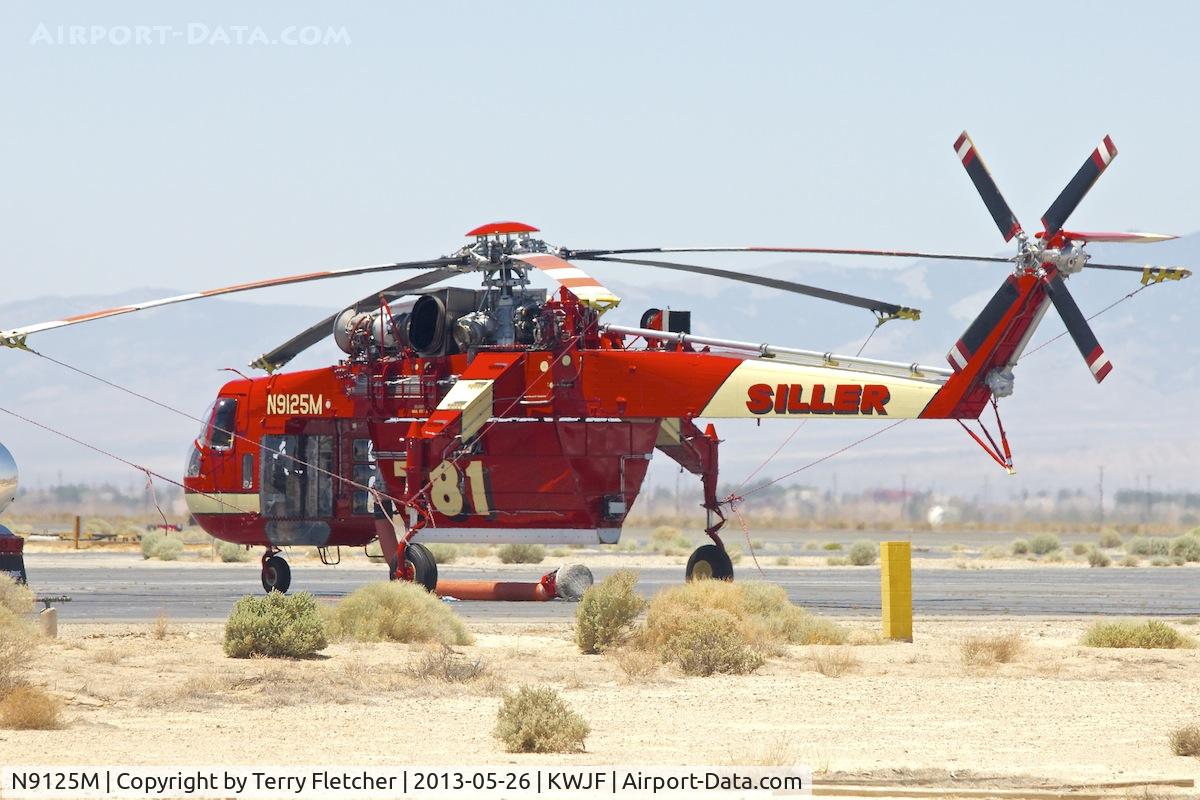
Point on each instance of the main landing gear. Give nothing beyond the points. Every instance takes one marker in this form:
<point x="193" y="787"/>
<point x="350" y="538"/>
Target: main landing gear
<point x="276" y="574"/>
<point x="419" y="566"/>
<point x="710" y="562"/>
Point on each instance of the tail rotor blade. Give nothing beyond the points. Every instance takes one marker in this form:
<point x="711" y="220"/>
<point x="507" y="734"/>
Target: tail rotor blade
<point x="1005" y="219"/>
<point x="1074" y="192"/>
<point x="1078" y="327"/>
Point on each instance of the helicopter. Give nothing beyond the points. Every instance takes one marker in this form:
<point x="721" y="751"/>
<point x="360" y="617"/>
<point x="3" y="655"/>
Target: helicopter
<point x="508" y="413"/>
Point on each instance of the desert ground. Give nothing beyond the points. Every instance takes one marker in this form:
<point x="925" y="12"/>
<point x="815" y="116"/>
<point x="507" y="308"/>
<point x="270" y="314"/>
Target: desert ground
<point x="899" y="713"/>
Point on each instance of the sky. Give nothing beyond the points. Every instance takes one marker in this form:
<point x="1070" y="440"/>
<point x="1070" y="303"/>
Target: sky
<point x="193" y="159"/>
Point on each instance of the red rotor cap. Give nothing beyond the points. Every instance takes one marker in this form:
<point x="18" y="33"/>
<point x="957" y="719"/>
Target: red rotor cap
<point x="502" y="227"/>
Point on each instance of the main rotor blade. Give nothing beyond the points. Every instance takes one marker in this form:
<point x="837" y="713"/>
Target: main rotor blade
<point x="16" y="336"/>
<point x="1071" y="195"/>
<point x="1078" y="327"/>
<point x="274" y="359"/>
<point x="877" y="306"/>
<point x="1005" y="219"/>
<point x="832" y="251"/>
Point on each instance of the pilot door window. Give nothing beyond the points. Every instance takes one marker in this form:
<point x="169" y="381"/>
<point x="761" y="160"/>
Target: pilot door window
<point x="366" y="473"/>
<point x="220" y="432"/>
<point x="297" y="477"/>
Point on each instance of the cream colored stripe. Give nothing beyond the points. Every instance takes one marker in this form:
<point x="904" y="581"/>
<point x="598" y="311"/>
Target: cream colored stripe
<point x="223" y="502"/>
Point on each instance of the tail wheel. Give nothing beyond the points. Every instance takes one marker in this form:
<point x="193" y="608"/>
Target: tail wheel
<point x="421" y="564"/>
<point x="710" y="562"/>
<point x="276" y="575"/>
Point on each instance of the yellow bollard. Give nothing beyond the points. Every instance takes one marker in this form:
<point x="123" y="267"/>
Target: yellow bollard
<point x="895" y="569"/>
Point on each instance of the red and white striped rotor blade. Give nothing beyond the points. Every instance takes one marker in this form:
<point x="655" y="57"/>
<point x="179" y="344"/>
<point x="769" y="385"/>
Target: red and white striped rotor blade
<point x="1075" y="190"/>
<point x="1126" y="237"/>
<point x="997" y="206"/>
<point x="590" y="291"/>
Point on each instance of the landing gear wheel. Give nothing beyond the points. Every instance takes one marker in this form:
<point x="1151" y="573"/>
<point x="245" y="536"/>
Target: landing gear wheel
<point x="710" y="562"/>
<point x="421" y="564"/>
<point x="276" y="575"/>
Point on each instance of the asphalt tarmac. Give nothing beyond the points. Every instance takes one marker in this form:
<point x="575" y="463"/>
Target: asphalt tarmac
<point x="121" y="587"/>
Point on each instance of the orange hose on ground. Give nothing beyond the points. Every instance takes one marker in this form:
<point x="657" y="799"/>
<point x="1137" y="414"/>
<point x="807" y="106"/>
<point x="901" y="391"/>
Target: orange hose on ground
<point x="492" y="590"/>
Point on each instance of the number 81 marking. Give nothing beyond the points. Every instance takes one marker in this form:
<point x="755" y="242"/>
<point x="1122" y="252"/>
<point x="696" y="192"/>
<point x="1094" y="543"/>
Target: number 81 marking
<point x="446" y="489"/>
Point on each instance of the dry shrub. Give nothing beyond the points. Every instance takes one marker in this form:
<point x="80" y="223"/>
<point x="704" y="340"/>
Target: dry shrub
<point x="606" y="612"/>
<point x="443" y="552"/>
<point x="396" y="611"/>
<point x="831" y="546"/>
<point x="1130" y="561"/>
<point x="995" y="552"/>
<point x="668" y="540"/>
<point x="1080" y="548"/>
<point x="448" y="666"/>
<point x="538" y="721"/>
<point x="277" y="626"/>
<point x="1019" y="547"/>
<point x="17" y="645"/>
<point x="1185" y="741"/>
<point x="1044" y="543"/>
<point x="837" y="561"/>
<point x="777" y="752"/>
<point x="232" y="553"/>
<point x="28" y="708"/>
<point x="1186" y="547"/>
<point x="983" y="651"/>
<point x="710" y="642"/>
<point x="1098" y="558"/>
<point x="782" y="561"/>
<point x="863" y="553"/>
<point x="833" y="662"/>
<point x="635" y="663"/>
<point x="159" y="630"/>
<point x="109" y="655"/>
<point x="1151" y="634"/>
<point x="15" y="597"/>
<point x="1110" y="539"/>
<point x="514" y="553"/>
<point x="738" y="622"/>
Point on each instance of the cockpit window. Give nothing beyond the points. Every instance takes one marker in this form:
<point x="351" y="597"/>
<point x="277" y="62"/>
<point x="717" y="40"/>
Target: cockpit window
<point x="220" y="432"/>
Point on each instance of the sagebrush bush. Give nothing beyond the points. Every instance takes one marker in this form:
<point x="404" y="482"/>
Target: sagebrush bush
<point x="1098" y="558"/>
<point x="15" y="597"/>
<point x="17" y="645"/>
<point x="980" y="651"/>
<point x="1110" y="539"/>
<point x="1130" y="561"/>
<point x="397" y="611"/>
<point x="1020" y="547"/>
<point x="513" y="553"/>
<point x="637" y="664"/>
<point x="277" y="626"/>
<point x="1044" y="543"/>
<point x="607" y="611"/>
<point x="232" y="553"/>
<point x="443" y="552"/>
<point x="995" y="553"/>
<point x="831" y="546"/>
<point x="1080" y="548"/>
<point x="1186" y="547"/>
<point x="1185" y="741"/>
<point x="757" y="614"/>
<point x="538" y="721"/>
<point x="28" y="708"/>
<point x="709" y="642"/>
<point x="668" y="540"/>
<point x="1151" y="634"/>
<point x="782" y="561"/>
<point x="837" y="561"/>
<point x="863" y="553"/>
<point x="169" y="549"/>
<point x="150" y="542"/>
